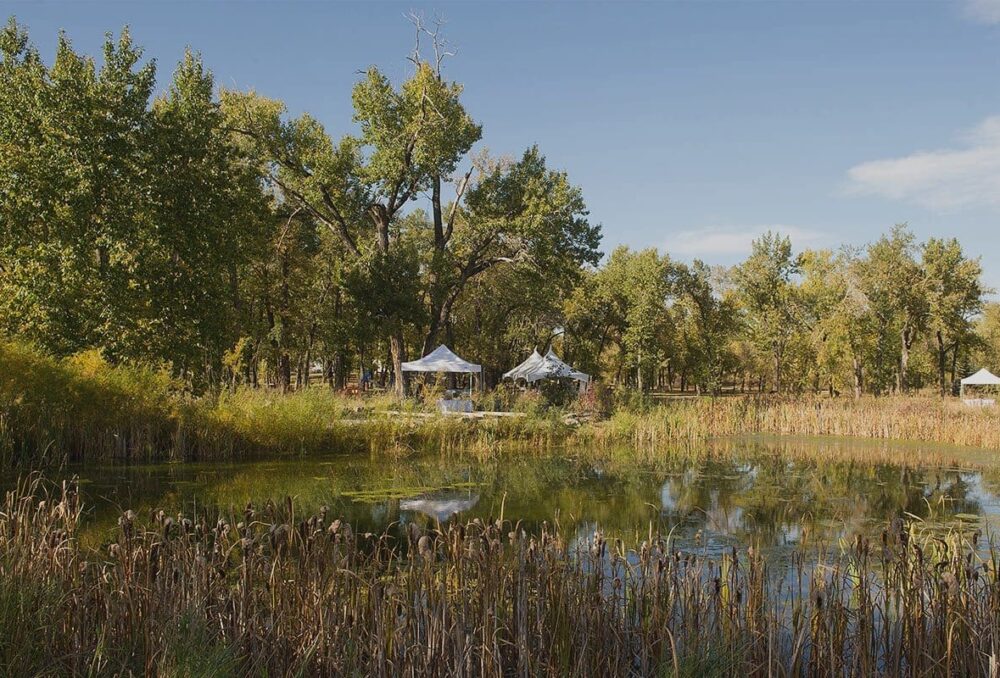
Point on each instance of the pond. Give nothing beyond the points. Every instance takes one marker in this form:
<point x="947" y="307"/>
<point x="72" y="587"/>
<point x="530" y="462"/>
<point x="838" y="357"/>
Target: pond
<point x="774" y="492"/>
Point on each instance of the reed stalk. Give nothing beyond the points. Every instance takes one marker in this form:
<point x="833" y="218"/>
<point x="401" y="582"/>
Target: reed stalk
<point x="269" y="591"/>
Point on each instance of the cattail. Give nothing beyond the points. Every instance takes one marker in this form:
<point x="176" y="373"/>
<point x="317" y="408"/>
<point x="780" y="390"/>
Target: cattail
<point x="424" y="547"/>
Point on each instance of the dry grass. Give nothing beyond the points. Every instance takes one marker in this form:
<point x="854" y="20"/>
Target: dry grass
<point x="916" y="418"/>
<point x="267" y="591"/>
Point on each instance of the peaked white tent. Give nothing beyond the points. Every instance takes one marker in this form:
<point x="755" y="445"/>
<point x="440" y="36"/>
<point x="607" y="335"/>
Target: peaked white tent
<point x="548" y="366"/>
<point x="442" y="359"/>
<point x="981" y="378"/>
<point x="527" y="367"/>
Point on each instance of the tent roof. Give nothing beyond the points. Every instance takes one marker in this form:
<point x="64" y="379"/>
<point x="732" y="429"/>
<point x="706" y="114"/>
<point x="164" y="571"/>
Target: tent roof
<point x="549" y="366"/>
<point x="982" y="378"/>
<point x="441" y="359"/>
<point x="526" y="367"/>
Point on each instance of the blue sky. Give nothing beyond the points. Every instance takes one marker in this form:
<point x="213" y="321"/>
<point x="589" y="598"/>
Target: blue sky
<point x="691" y="126"/>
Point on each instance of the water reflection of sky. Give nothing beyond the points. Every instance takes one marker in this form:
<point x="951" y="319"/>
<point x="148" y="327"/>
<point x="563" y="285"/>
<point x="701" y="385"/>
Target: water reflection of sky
<point x="752" y="491"/>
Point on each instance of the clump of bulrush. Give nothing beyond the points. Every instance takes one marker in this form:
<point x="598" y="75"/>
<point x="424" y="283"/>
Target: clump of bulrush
<point x="264" y="591"/>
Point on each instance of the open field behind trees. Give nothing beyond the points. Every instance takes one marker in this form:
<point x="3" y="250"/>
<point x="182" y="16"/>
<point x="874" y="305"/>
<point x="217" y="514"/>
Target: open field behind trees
<point x="84" y="409"/>
<point x="211" y="232"/>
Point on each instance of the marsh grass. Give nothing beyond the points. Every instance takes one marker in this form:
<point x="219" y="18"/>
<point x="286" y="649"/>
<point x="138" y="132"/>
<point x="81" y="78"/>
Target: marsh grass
<point x="269" y="591"/>
<point x="914" y="418"/>
<point x="82" y="409"/>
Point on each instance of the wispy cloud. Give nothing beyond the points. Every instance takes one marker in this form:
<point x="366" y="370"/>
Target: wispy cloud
<point x="982" y="11"/>
<point x="967" y="176"/>
<point x="728" y="242"/>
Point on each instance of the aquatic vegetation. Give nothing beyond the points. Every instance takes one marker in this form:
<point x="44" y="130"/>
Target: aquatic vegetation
<point x="270" y="591"/>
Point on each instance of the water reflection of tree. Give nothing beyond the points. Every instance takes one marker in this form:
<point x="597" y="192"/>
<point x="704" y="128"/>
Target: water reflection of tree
<point x="772" y="498"/>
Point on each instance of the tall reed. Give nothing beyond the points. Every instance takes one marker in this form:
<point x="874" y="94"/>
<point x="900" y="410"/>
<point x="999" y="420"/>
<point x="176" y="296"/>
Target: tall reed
<point x="918" y="418"/>
<point x="268" y="591"/>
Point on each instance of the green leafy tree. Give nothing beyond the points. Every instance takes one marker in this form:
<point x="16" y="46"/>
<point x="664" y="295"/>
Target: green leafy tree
<point x="73" y="185"/>
<point x="893" y="282"/>
<point x="624" y="307"/>
<point x="703" y="322"/>
<point x="954" y="298"/>
<point x="505" y="212"/>
<point x="843" y="328"/>
<point x="986" y="343"/>
<point x="770" y="297"/>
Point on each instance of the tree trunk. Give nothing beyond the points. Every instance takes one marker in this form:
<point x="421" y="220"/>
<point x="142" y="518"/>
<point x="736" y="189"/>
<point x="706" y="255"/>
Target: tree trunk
<point x="339" y="380"/>
<point x="857" y="378"/>
<point x="439" y="319"/>
<point x="905" y="341"/>
<point x="284" y="372"/>
<point x="954" y="364"/>
<point x="777" y="372"/>
<point x="942" y="359"/>
<point x="398" y="350"/>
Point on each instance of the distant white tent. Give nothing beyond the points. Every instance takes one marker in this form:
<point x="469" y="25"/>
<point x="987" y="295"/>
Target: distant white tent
<point x="548" y="366"/>
<point x="981" y="378"/>
<point x="442" y="359"/>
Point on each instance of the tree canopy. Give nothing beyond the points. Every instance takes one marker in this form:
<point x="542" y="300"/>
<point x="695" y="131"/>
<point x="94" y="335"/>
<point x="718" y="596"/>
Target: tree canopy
<point x="208" y="230"/>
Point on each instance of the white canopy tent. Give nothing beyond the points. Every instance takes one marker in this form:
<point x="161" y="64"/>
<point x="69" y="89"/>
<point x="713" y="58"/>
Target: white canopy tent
<point x="548" y="366"/>
<point x="443" y="360"/>
<point x="981" y="378"/>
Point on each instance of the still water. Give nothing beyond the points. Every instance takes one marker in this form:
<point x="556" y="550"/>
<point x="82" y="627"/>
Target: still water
<point x="776" y="493"/>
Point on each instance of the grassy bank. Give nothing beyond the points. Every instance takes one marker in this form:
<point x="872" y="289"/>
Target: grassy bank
<point x="269" y="591"/>
<point x="83" y="409"/>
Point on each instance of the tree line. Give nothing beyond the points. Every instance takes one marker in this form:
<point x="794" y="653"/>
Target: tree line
<point x="209" y="230"/>
<point x="890" y="317"/>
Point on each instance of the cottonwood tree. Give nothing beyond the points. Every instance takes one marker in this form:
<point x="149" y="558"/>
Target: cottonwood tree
<point x="703" y="322"/>
<point x="954" y="297"/>
<point x="360" y="186"/>
<point x="411" y="138"/>
<point x="73" y="175"/>
<point x="893" y="282"/>
<point x="125" y="220"/>
<point x="843" y="328"/>
<point x="986" y="341"/>
<point x="624" y="306"/>
<point x="769" y="295"/>
<point x="207" y="218"/>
